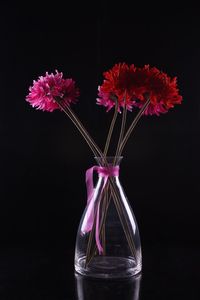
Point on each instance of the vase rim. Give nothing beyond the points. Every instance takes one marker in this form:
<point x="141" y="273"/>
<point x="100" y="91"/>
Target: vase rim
<point x="111" y="160"/>
<point x="109" y="157"/>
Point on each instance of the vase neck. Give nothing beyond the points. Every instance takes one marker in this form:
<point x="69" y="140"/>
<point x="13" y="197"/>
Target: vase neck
<point x="109" y="161"/>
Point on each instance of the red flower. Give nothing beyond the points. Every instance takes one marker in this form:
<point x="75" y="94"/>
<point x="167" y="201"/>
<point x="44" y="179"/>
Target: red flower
<point x="45" y="89"/>
<point x="135" y="85"/>
<point x="117" y="86"/>
<point x="161" y="89"/>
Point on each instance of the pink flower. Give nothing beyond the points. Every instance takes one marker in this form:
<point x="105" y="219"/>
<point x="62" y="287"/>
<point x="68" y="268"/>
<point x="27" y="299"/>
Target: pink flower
<point x="105" y="99"/>
<point x="108" y="100"/>
<point x="43" y="92"/>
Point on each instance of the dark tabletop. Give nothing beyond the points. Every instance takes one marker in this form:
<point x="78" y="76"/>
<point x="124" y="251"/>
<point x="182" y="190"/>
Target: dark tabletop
<point x="36" y="271"/>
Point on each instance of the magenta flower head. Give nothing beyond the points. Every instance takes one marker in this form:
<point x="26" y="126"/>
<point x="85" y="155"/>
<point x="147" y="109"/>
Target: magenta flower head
<point x="47" y="88"/>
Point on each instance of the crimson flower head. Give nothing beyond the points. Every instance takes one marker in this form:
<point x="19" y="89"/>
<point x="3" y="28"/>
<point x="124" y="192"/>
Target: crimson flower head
<point x="160" y="88"/>
<point x="117" y="86"/>
<point x="131" y="86"/>
<point x="43" y="92"/>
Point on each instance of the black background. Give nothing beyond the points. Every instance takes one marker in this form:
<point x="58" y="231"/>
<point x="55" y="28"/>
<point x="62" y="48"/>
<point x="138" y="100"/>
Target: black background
<point x="43" y="157"/>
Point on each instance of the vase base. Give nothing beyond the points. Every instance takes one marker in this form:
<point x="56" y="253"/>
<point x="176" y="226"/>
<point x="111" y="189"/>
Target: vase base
<point x="108" y="267"/>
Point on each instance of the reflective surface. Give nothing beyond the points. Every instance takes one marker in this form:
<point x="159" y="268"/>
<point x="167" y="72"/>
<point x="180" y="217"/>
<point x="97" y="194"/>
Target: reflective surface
<point x="98" y="289"/>
<point x="39" y="271"/>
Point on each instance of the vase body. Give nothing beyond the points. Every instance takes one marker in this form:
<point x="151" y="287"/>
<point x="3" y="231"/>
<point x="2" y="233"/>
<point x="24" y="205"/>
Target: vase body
<point x="110" y="247"/>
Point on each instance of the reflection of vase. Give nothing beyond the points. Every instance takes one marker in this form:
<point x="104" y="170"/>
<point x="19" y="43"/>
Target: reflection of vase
<point x="101" y="289"/>
<point x="108" y="241"/>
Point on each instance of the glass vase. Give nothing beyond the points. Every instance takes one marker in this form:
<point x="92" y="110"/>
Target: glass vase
<point x="108" y="241"/>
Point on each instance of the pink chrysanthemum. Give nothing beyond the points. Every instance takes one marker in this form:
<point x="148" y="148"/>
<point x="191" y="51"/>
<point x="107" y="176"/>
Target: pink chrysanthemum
<point x="43" y="92"/>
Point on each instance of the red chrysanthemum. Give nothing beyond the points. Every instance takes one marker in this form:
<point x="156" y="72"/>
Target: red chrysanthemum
<point x="160" y="88"/>
<point x="135" y="84"/>
<point x="117" y="85"/>
<point x="43" y="92"/>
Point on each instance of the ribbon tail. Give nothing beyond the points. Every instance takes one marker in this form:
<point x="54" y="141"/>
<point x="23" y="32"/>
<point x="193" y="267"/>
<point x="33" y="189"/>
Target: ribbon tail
<point x="89" y="216"/>
<point x="89" y="183"/>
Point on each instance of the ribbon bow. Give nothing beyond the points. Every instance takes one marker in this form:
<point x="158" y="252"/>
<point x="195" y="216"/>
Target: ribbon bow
<point x="88" y="222"/>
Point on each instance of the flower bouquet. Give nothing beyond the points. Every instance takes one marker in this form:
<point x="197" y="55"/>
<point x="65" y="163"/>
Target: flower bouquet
<point x="108" y="241"/>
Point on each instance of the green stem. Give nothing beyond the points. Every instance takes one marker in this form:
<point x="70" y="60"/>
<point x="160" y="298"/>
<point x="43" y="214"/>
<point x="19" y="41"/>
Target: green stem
<point x="122" y="130"/>
<point x="111" y="129"/>
<point x="96" y="152"/>
<point x="124" y="226"/>
<point x="132" y="126"/>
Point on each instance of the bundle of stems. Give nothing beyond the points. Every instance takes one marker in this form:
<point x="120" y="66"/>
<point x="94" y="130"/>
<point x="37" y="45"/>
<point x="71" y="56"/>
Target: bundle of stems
<point x="110" y="189"/>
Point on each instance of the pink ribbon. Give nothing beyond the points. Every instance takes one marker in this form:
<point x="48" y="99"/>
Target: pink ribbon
<point x="88" y="222"/>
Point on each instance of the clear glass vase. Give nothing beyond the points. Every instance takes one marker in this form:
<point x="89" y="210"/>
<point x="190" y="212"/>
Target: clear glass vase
<point x="108" y="241"/>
